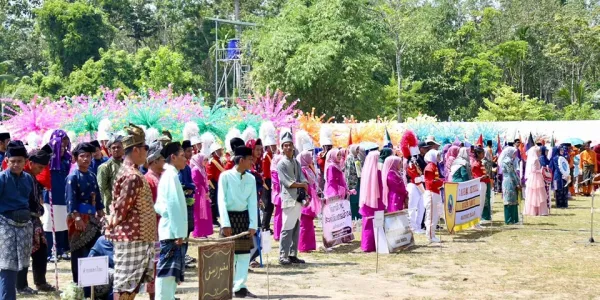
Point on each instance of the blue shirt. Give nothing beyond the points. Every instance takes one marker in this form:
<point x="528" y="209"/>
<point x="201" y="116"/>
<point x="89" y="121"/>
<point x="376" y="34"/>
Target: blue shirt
<point x="96" y="163"/>
<point x="78" y="192"/>
<point x="237" y="193"/>
<point x="103" y="247"/>
<point x="15" y="191"/>
<point x="185" y="176"/>
<point x="57" y="180"/>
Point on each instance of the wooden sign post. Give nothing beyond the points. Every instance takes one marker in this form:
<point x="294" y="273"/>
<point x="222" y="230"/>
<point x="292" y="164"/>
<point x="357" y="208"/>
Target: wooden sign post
<point x="215" y="271"/>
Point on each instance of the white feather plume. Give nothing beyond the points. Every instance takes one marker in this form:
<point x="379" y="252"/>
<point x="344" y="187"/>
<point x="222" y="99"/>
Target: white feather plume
<point x="152" y="135"/>
<point x="190" y="129"/>
<point x="34" y="141"/>
<point x="232" y="133"/>
<point x="303" y="141"/>
<point x="104" y="130"/>
<point x="249" y="134"/>
<point x="207" y="140"/>
<point x="46" y="137"/>
<point x="267" y="132"/>
<point x="325" y="135"/>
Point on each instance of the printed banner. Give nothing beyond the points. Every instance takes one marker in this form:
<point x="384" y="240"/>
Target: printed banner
<point x="397" y="231"/>
<point x="462" y="204"/>
<point x="337" y="222"/>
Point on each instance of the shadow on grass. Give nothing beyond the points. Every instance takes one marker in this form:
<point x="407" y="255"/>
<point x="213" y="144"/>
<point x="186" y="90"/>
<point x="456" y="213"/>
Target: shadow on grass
<point x="296" y="297"/>
<point x="472" y="236"/>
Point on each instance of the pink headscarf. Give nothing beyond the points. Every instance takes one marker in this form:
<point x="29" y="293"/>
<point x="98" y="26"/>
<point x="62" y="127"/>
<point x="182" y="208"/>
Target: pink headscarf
<point x="306" y="162"/>
<point x="332" y="160"/>
<point x="449" y="159"/>
<point x="391" y="164"/>
<point x="305" y="159"/>
<point x="197" y="161"/>
<point x="369" y="183"/>
<point x="274" y="161"/>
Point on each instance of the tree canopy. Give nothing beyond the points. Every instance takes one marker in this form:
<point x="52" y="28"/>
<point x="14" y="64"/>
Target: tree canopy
<point x="456" y="59"/>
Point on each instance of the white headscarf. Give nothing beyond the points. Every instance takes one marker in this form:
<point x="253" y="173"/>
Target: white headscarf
<point x="533" y="161"/>
<point x="431" y="156"/>
<point x="462" y="159"/>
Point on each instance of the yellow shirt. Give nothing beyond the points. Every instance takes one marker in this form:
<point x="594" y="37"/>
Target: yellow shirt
<point x="588" y="157"/>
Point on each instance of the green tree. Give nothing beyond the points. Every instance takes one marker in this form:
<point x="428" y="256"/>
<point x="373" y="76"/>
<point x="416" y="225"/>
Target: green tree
<point x="584" y="111"/>
<point x="507" y="105"/>
<point x="325" y="52"/>
<point x="74" y="31"/>
<point x="159" y="69"/>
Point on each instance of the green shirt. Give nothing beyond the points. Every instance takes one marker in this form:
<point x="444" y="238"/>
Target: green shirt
<point x="107" y="174"/>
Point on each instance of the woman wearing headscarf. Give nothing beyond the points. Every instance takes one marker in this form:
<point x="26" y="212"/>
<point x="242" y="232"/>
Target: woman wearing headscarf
<point x="535" y="189"/>
<point x="370" y="199"/>
<point x="432" y="196"/>
<point x="460" y="170"/>
<point x="545" y="163"/>
<point x="561" y="192"/>
<point x="203" y="226"/>
<point x="394" y="190"/>
<point x="449" y="158"/>
<point x="54" y="177"/>
<point x="385" y="153"/>
<point x="479" y="170"/>
<point x="307" y="241"/>
<point x="510" y="185"/>
<point x="351" y="173"/>
<point x="275" y="197"/>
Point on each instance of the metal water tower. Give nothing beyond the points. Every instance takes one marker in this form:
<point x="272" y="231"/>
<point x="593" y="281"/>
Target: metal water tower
<point x="232" y="67"/>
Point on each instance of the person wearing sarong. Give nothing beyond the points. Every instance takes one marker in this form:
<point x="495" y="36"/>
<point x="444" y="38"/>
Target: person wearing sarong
<point x="589" y="167"/>
<point x="38" y="160"/>
<point x="307" y="241"/>
<point x="238" y="209"/>
<point x="481" y="169"/>
<point x="107" y="172"/>
<point x="189" y="189"/>
<point x="173" y="224"/>
<point x="156" y="163"/>
<point x="545" y="163"/>
<point x="16" y="230"/>
<point x="98" y="158"/>
<point x="256" y="171"/>
<point x="351" y="172"/>
<point x="202" y="213"/>
<point x="432" y="196"/>
<point x="132" y="225"/>
<point x="85" y="207"/>
<point x="558" y="179"/>
<point x="276" y="197"/>
<point x="370" y="200"/>
<point x="510" y="185"/>
<point x="53" y="179"/>
<point x="291" y="180"/>
<point x="535" y="190"/>
<point x="394" y="190"/>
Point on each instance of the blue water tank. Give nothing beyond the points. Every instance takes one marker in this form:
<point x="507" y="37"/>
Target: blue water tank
<point x="233" y="49"/>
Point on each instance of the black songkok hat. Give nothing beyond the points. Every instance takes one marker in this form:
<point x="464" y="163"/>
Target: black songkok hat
<point x="242" y="151"/>
<point x="16" y="148"/>
<point x="186" y="144"/>
<point x="95" y="144"/>
<point x="236" y="142"/>
<point x="83" y="148"/>
<point x="41" y="156"/>
<point x="170" y="148"/>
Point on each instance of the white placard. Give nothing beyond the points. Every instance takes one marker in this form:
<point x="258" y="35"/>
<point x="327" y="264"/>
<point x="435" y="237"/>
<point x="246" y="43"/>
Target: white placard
<point x="93" y="271"/>
<point x="378" y="220"/>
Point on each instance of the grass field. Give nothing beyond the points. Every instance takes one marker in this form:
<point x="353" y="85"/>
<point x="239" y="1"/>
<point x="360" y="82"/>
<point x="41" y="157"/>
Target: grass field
<point x="538" y="260"/>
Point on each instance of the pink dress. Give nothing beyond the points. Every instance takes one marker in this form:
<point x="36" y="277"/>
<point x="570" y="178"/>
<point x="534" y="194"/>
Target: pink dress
<point x="277" y="217"/>
<point x="307" y="241"/>
<point x="367" y="243"/>
<point x="535" y="192"/>
<point x="397" y="193"/>
<point x="203" y="226"/>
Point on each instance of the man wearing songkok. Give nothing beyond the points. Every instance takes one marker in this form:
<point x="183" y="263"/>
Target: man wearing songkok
<point x="238" y="209"/>
<point x="38" y="160"/>
<point x="172" y="227"/>
<point x="132" y="225"/>
<point x="84" y="206"/>
<point x="292" y="181"/>
<point x="16" y="230"/>
<point x="107" y="172"/>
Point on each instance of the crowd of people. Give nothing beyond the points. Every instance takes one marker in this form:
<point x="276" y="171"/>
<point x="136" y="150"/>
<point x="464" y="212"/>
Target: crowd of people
<point x="139" y="198"/>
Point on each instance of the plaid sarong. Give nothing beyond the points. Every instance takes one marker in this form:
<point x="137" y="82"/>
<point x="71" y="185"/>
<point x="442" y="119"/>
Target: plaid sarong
<point x="240" y="222"/>
<point x="133" y="265"/>
<point x="588" y="174"/>
<point x="15" y="244"/>
<point x="171" y="261"/>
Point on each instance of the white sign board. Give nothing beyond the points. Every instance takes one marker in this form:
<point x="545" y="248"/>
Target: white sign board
<point x="381" y="245"/>
<point x="93" y="271"/>
<point x="378" y="220"/>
